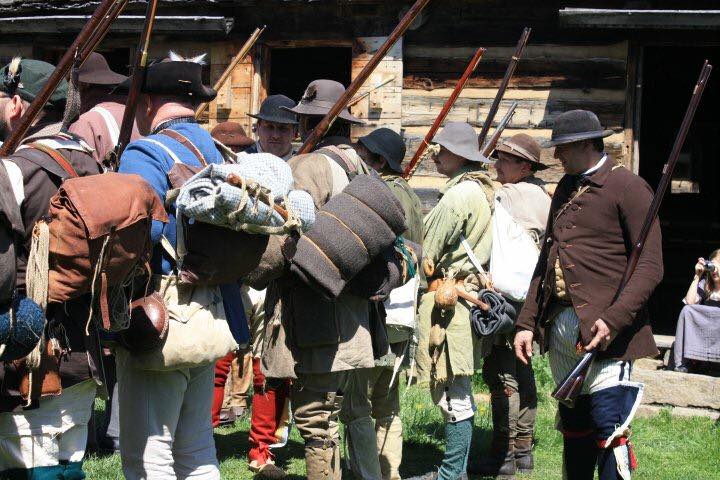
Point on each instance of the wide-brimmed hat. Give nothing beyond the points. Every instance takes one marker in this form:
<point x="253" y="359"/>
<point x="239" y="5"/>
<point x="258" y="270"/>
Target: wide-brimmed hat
<point x="386" y="143"/>
<point x="272" y="110"/>
<point x="96" y="71"/>
<point x="26" y="78"/>
<point x="575" y="126"/>
<point x="231" y="134"/>
<point x="460" y="138"/>
<point x="319" y="97"/>
<point x="523" y="147"/>
<point x="176" y="78"/>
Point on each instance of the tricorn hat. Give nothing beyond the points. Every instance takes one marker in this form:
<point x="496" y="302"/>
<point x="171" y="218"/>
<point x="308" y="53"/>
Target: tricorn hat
<point x="460" y="138"/>
<point x="231" y="134"/>
<point x="575" y="126"/>
<point x="96" y="71"/>
<point x="26" y="77"/>
<point x="386" y="143"/>
<point x="272" y="110"/>
<point x="319" y="97"/>
<point x="524" y="147"/>
<point x="178" y="78"/>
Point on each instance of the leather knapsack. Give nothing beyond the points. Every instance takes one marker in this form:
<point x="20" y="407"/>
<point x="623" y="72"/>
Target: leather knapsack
<point x="209" y="254"/>
<point x="97" y="233"/>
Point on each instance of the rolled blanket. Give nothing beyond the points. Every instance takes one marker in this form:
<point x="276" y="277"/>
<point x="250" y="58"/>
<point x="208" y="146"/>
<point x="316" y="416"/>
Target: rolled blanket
<point x="499" y="319"/>
<point x="392" y="269"/>
<point x="253" y="195"/>
<point x="351" y="230"/>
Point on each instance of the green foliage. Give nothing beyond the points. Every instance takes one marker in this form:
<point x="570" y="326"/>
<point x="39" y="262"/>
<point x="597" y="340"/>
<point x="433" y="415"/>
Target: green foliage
<point x="668" y="448"/>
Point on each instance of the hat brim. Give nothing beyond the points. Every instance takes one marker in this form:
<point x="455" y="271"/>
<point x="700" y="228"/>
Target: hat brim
<point x="102" y="78"/>
<point x="537" y="165"/>
<point x="377" y="149"/>
<point x="576" y="137"/>
<point x="306" y="109"/>
<point x="467" y="153"/>
<point x="203" y="94"/>
<point x="270" y="118"/>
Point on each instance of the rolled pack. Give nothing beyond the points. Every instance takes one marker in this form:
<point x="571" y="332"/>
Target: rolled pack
<point x="351" y="230"/>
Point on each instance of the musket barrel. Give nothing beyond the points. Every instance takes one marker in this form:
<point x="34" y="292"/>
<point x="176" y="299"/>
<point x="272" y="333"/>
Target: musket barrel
<point x="495" y="137"/>
<point x="503" y="85"/>
<point x="61" y="71"/>
<point x="322" y="127"/>
<point x="249" y="43"/>
<point x="415" y="161"/>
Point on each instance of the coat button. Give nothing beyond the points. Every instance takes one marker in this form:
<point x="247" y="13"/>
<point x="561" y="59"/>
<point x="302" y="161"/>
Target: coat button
<point x="575" y="207"/>
<point x="563" y="244"/>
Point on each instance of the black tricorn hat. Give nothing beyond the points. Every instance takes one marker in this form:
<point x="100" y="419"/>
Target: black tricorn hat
<point x="575" y="126"/>
<point x="386" y="143"/>
<point x="176" y="78"/>
<point x="271" y="110"/>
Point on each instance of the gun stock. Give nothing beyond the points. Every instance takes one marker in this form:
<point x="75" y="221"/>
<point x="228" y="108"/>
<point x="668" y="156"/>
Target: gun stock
<point x="61" y="71"/>
<point x="415" y="162"/>
<point x="321" y="129"/>
<point x="566" y="392"/>
<point x="503" y="85"/>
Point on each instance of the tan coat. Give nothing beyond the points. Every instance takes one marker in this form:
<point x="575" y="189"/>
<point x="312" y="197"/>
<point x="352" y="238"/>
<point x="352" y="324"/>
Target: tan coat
<point x="314" y="335"/>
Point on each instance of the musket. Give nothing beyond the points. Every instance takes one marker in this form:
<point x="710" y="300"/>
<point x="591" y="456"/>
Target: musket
<point x="487" y="150"/>
<point x="61" y="71"/>
<point x="355" y="100"/>
<point x="233" y="63"/>
<point x="415" y="161"/>
<point x="321" y="128"/>
<point x="136" y="83"/>
<point x="503" y="85"/>
<point x="571" y="386"/>
<point x="102" y="30"/>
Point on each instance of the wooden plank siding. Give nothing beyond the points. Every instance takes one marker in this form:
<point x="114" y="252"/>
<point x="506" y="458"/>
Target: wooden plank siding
<point x="550" y="80"/>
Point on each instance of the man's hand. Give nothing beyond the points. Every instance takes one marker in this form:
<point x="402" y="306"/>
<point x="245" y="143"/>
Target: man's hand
<point x="601" y="338"/>
<point x="523" y="345"/>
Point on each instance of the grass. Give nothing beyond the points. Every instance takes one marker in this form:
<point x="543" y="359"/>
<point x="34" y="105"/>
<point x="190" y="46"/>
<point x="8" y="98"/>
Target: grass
<point x="668" y="448"/>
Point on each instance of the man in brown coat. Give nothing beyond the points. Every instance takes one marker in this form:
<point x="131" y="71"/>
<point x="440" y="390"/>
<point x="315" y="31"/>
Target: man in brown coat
<point x="596" y="214"/>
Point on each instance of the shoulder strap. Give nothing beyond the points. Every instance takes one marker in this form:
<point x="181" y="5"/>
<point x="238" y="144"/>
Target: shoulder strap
<point x="57" y="156"/>
<point x="164" y="147"/>
<point x="341" y="158"/>
<point x="110" y="123"/>
<point x="185" y="142"/>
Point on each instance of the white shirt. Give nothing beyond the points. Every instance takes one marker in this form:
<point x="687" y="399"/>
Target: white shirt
<point x="597" y="165"/>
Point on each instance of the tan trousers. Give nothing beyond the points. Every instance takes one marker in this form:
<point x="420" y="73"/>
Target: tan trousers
<point x="370" y="395"/>
<point x="237" y="387"/>
<point x="316" y="400"/>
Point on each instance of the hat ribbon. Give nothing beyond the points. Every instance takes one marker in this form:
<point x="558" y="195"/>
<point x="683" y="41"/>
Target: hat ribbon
<point x="519" y="149"/>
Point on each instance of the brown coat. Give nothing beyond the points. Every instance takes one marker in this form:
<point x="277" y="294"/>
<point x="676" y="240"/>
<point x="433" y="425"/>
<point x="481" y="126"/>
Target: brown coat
<point x="593" y="235"/>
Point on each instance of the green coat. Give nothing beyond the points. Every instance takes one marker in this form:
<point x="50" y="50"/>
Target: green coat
<point x="411" y="205"/>
<point x="463" y="210"/>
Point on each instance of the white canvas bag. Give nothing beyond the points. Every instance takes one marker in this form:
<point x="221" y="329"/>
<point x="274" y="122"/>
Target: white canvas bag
<point x="513" y="255"/>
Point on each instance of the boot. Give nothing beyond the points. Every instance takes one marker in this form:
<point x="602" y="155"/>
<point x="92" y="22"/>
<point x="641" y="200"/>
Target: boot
<point x="500" y="462"/>
<point x="458" y="437"/>
<point x="362" y="449"/>
<point x="524" y="455"/>
<point x="390" y="445"/>
<point x="323" y="462"/>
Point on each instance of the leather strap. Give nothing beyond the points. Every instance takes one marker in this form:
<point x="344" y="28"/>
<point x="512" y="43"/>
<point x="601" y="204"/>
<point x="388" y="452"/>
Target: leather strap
<point x="341" y="158"/>
<point x="57" y="156"/>
<point x="185" y="142"/>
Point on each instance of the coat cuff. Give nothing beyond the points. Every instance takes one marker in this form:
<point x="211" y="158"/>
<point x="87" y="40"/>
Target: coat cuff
<point x="617" y="320"/>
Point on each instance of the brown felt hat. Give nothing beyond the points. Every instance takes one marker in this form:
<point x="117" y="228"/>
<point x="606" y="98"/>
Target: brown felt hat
<point x="319" y="97"/>
<point x="523" y="147"/>
<point x="231" y="134"/>
<point x="96" y="71"/>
